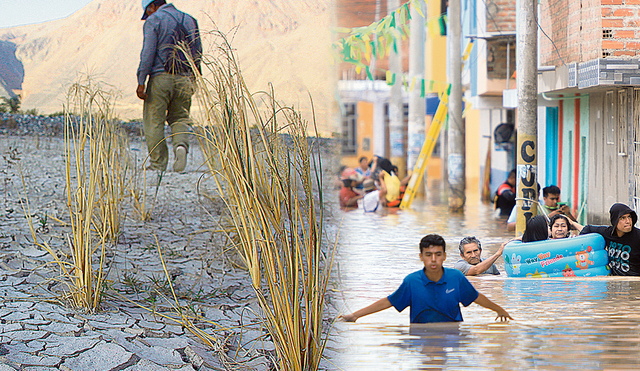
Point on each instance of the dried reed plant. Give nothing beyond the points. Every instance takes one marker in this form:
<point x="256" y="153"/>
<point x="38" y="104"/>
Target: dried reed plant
<point x="270" y="178"/>
<point x="95" y="167"/>
<point x="138" y="193"/>
<point x="110" y="146"/>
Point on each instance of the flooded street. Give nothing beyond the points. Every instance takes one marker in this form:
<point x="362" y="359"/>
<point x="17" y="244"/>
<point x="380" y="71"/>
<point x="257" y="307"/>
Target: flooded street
<point x="586" y="324"/>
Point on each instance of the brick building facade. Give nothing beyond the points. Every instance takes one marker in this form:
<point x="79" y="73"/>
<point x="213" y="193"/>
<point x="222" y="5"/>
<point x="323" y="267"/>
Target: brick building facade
<point x="588" y="29"/>
<point x="501" y="15"/>
<point x="591" y="85"/>
<point x="620" y="27"/>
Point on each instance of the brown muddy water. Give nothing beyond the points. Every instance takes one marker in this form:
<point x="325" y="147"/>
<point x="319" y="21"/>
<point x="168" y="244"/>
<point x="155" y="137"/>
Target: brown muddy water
<point x="582" y="324"/>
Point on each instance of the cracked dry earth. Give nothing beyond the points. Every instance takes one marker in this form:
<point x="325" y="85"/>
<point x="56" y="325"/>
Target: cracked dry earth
<point x="39" y="330"/>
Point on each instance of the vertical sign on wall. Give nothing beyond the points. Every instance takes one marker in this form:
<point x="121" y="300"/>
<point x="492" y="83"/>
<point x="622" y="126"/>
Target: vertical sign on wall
<point x="526" y="179"/>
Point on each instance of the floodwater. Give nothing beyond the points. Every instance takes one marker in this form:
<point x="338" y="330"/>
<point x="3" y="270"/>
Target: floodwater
<point x="582" y="324"/>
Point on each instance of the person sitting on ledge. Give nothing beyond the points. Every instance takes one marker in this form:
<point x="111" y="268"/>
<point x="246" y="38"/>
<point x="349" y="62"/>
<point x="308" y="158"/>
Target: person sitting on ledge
<point x="551" y="204"/>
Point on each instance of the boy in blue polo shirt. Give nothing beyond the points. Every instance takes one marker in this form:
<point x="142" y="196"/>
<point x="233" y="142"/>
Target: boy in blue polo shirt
<point x="433" y="293"/>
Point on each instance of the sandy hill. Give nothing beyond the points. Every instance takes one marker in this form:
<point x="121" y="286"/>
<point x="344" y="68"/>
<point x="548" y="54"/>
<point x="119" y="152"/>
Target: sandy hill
<point x="285" y="42"/>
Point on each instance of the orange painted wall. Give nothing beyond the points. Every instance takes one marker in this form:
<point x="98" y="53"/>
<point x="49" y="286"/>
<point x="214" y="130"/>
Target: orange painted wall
<point x="365" y="129"/>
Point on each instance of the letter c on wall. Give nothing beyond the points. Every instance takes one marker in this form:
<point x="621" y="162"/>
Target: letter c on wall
<point x="523" y="151"/>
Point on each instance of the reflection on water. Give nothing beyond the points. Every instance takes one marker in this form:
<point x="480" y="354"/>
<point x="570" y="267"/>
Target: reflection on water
<point x="582" y="324"/>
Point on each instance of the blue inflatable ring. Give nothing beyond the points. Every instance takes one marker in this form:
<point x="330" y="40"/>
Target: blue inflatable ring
<point x="581" y="256"/>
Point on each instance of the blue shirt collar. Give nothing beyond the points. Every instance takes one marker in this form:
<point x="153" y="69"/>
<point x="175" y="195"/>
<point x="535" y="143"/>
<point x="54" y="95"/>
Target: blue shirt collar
<point x="427" y="281"/>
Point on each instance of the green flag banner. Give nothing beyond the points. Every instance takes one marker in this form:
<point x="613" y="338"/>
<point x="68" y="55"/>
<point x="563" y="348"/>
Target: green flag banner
<point x="377" y="39"/>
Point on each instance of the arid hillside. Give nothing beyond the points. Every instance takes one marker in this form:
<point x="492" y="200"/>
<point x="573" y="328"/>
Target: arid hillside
<point x="283" y="42"/>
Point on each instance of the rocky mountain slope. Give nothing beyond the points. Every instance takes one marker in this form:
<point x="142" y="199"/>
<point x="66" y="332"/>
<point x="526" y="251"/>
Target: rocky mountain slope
<point x="283" y="42"/>
<point x="11" y="70"/>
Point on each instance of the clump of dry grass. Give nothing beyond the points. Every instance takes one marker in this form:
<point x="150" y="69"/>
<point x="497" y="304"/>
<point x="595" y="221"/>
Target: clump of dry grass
<point x="95" y="168"/>
<point x="137" y="190"/>
<point x="269" y="177"/>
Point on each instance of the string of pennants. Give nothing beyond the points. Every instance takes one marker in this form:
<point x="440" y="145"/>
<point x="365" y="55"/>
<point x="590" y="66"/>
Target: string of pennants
<point x="377" y="39"/>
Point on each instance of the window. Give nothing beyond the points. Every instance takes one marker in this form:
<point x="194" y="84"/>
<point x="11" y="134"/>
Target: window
<point x="622" y="123"/>
<point x="349" y="130"/>
<point x="636" y="147"/>
<point x="610" y="118"/>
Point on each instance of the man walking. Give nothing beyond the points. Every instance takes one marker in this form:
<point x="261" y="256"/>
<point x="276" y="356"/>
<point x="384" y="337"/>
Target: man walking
<point x="167" y="97"/>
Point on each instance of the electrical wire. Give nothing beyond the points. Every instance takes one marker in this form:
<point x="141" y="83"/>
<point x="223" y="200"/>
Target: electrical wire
<point x="554" y="44"/>
<point x="486" y="7"/>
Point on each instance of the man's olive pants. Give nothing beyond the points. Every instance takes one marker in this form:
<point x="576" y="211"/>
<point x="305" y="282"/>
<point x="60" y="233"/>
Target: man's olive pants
<point x="168" y="99"/>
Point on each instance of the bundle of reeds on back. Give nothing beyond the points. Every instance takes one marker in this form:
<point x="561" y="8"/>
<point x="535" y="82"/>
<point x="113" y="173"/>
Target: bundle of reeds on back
<point x="96" y="162"/>
<point x="270" y="178"/>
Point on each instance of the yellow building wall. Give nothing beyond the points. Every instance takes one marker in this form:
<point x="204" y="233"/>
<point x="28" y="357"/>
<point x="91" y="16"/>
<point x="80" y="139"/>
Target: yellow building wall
<point x="435" y="59"/>
<point x="435" y="63"/>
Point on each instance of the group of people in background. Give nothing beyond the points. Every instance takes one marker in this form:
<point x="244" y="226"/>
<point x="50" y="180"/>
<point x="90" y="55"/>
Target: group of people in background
<point x="556" y="219"/>
<point x="434" y="293"/>
<point x="372" y="185"/>
<point x="622" y="238"/>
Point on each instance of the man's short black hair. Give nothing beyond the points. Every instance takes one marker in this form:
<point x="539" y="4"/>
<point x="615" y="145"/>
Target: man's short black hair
<point x="432" y="240"/>
<point x="362" y="158"/>
<point x="550" y="190"/>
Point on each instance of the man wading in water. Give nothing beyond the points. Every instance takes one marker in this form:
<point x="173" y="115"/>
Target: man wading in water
<point x="433" y="293"/>
<point x="472" y="263"/>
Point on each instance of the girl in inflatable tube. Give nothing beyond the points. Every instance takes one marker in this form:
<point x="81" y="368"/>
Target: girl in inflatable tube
<point x="584" y="256"/>
<point x="536" y="229"/>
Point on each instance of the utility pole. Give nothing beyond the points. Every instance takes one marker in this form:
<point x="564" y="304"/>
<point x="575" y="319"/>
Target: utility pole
<point x="396" y="114"/>
<point x="456" y="132"/>
<point x="527" y="115"/>
<point x="380" y="134"/>
<point x="417" y="106"/>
